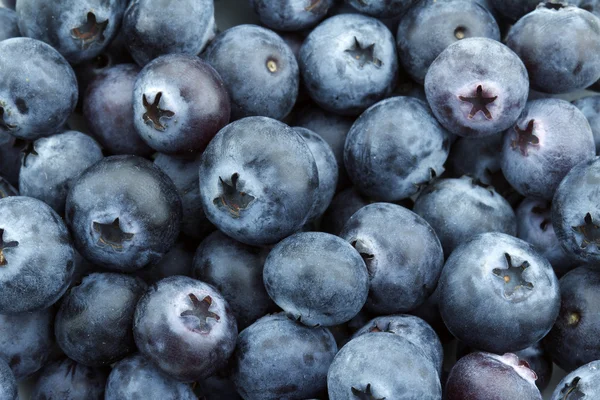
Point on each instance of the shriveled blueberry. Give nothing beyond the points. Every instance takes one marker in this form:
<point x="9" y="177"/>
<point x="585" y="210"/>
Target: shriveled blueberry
<point x="67" y="380"/>
<point x="291" y="15"/>
<point x="185" y="327"/>
<point x="36" y="255"/>
<point x="581" y="384"/>
<point x="8" y="24"/>
<point x="382" y="8"/>
<point x="278" y="358"/>
<point x="6" y="189"/>
<point x="177" y="261"/>
<point x="8" y="384"/>
<point x="590" y="107"/>
<point x="403" y="255"/>
<point x="342" y="207"/>
<point x="477" y="87"/>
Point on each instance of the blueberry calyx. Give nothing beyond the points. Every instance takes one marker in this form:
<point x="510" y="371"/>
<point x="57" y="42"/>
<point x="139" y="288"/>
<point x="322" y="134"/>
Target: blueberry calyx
<point x="4" y="246"/>
<point x="112" y="235"/>
<point x="28" y="150"/>
<point x="571" y="390"/>
<point x="460" y="32"/>
<point x="589" y="230"/>
<point x="525" y="138"/>
<point x="91" y="32"/>
<point x="200" y="310"/>
<point x="364" y="55"/>
<point x="552" y="5"/>
<point x="513" y="276"/>
<point x="545" y="212"/>
<point x="479" y="103"/>
<point x="364" y="252"/>
<point x="5" y="126"/>
<point x="154" y="113"/>
<point x="231" y="198"/>
<point x="365" y="394"/>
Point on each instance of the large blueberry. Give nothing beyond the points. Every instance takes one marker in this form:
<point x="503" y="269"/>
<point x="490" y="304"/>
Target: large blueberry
<point x="67" y="380"/>
<point x="291" y="15"/>
<point x="8" y="384"/>
<point x="590" y="107"/>
<point x="582" y="384"/>
<point x="8" y="24"/>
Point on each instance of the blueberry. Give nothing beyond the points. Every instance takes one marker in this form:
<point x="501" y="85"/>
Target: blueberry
<point x="317" y="278"/>
<point x="108" y="111"/>
<point x="291" y="15"/>
<point x="67" y="380"/>
<point x="590" y="107"/>
<point x="477" y="87"/>
<point x="486" y="376"/>
<point x="177" y="261"/>
<point x="236" y="270"/>
<point x="342" y="207"/>
<point x="156" y="27"/>
<point x="36" y="255"/>
<point x="185" y="327"/>
<point x="514" y="9"/>
<point x="583" y="383"/>
<point x="277" y="358"/>
<point x="430" y="26"/>
<point x="8" y="384"/>
<point x="460" y="208"/>
<point x="382" y="366"/>
<point x="549" y="40"/>
<point x="137" y="378"/>
<point x="259" y="70"/>
<point x="348" y="63"/>
<point x="394" y="147"/>
<point x="402" y="253"/>
<point x="38" y="89"/>
<point x="124" y="213"/>
<point x="498" y="294"/>
<point x="382" y="8"/>
<point x="8" y="24"/>
<point x="258" y="181"/>
<point x="6" y="189"/>
<point x="50" y="166"/>
<point x="179" y="104"/>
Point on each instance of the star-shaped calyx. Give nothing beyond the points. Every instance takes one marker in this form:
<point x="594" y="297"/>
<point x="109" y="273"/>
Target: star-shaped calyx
<point x="200" y="310"/>
<point x="91" y="32"/>
<point x="365" y="394"/>
<point x="513" y="276"/>
<point x="3" y="246"/>
<point x="5" y="126"/>
<point x="479" y="103"/>
<point x="589" y="230"/>
<point x="364" y="55"/>
<point x="232" y="199"/>
<point x="525" y="138"/>
<point x="154" y="113"/>
<point x="112" y="235"/>
<point x="28" y="150"/>
<point x="571" y="390"/>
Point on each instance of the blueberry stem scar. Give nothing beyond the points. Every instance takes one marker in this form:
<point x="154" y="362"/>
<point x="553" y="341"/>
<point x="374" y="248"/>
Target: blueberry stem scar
<point x="91" y="32"/>
<point x="513" y="276"/>
<point x="589" y="230"/>
<point x="525" y="138"/>
<point x="365" y="394"/>
<point x="112" y="235"/>
<point x="231" y="198"/>
<point x="154" y="113"/>
<point x="3" y="246"/>
<point x="200" y="310"/>
<point x="364" y="55"/>
<point x="479" y="103"/>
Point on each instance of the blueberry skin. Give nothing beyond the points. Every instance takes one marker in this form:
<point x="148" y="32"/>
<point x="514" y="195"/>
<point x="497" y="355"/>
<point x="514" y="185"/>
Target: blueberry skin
<point x="153" y="28"/>
<point x="430" y="26"/>
<point x="575" y="198"/>
<point x="590" y="107"/>
<point x="38" y="89"/>
<point x="236" y="270"/>
<point x="486" y="376"/>
<point x="183" y="171"/>
<point x="259" y="69"/>
<point x="124" y="213"/>
<point x="54" y="163"/>
<point x="108" y="111"/>
<point x="6" y="189"/>
<point x="583" y="383"/>
<point x="93" y="325"/>
<point x="278" y="358"/>
<point x="179" y="104"/>
<point x="317" y="278"/>
<point x="460" y="208"/>
<point x="335" y="78"/>
<point x="563" y="138"/>
<point x="382" y="8"/>
<point x="411" y="328"/>
<point x="403" y="255"/>
<point x="386" y="365"/>
<point x="534" y="225"/>
<point x="258" y="181"/>
<point x="185" y="327"/>
<point x="291" y="15"/>
<point x="394" y="147"/>
<point x="514" y="9"/>
<point x="558" y="66"/>
<point x="8" y="24"/>
<point x="342" y="207"/>
<point x="37" y="254"/>
<point x="478" y="270"/>
<point x="67" y="380"/>
<point x="8" y="384"/>
<point x="327" y="169"/>
<point x="137" y="378"/>
<point x="460" y="71"/>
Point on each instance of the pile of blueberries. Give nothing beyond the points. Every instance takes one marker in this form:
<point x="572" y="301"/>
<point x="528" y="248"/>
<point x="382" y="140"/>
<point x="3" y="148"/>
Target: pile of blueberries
<point x="315" y="208"/>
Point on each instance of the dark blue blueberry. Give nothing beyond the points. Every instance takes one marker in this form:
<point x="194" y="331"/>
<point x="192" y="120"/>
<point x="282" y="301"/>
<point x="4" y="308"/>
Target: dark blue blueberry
<point x="67" y="380"/>
<point x="403" y="255"/>
<point x="514" y="9"/>
<point x="291" y="15"/>
<point x="137" y="378"/>
<point x="108" y="111"/>
<point x="549" y="41"/>
<point x="179" y="104"/>
<point x="498" y="294"/>
<point x="8" y="24"/>
<point x="395" y="147"/>
<point x="258" y="181"/>
<point x="153" y="28"/>
<point x="590" y="107"/>
<point x="218" y="387"/>
<point x="236" y="270"/>
<point x="6" y="189"/>
<point x="10" y="157"/>
<point x="38" y="89"/>
<point x="8" y="384"/>
<point x="581" y="384"/>
<point x="185" y="327"/>
<point x="124" y="213"/>
<point x="382" y="366"/>
<point x="317" y="278"/>
<point x="36" y="255"/>
<point x="349" y="63"/>
<point x="50" y="165"/>
<point x="259" y="69"/>
<point x="431" y="26"/>
<point x="95" y="319"/>
<point x="382" y="8"/>
<point x="177" y="261"/>
<point x="477" y="87"/>
<point x="460" y="208"/>
<point x="277" y="358"/>
<point x="342" y="207"/>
